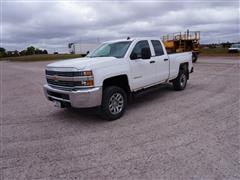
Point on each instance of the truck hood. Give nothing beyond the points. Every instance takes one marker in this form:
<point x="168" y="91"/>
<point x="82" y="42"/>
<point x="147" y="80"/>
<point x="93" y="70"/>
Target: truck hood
<point x="84" y="63"/>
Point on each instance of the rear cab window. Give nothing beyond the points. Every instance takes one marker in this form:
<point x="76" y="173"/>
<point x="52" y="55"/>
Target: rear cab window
<point x="157" y="46"/>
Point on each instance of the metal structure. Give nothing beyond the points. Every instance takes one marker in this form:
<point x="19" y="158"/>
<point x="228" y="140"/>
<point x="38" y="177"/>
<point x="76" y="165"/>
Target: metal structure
<point x="182" y="42"/>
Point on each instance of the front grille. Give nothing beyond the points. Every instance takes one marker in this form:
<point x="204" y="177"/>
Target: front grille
<point x="64" y="83"/>
<point x="66" y="74"/>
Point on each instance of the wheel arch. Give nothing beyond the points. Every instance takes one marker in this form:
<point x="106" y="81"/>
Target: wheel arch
<point x="119" y="80"/>
<point x="184" y="66"/>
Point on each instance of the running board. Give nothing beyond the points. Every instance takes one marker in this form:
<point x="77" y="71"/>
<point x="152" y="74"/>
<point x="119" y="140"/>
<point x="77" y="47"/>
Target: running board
<point x="149" y="89"/>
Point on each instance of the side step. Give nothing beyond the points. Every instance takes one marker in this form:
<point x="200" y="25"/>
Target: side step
<point x="150" y="89"/>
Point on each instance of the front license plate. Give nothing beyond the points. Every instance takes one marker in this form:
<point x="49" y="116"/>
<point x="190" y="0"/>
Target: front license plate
<point x="57" y="104"/>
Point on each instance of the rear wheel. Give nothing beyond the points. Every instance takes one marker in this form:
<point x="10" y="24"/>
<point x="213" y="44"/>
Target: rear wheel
<point x="114" y="103"/>
<point x="194" y="57"/>
<point x="181" y="81"/>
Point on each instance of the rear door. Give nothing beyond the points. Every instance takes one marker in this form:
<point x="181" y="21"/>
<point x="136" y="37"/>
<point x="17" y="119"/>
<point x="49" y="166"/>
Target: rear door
<point x="162" y="61"/>
<point x="143" y="71"/>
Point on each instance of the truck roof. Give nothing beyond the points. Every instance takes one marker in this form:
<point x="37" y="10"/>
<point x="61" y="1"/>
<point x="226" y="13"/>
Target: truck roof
<point x="134" y="38"/>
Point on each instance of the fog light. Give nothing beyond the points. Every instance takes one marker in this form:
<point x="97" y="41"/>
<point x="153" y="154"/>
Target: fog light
<point x="88" y="83"/>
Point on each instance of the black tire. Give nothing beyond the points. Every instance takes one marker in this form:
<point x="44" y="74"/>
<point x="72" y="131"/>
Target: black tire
<point x="181" y="81"/>
<point x="111" y="95"/>
<point x="194" y="57"/>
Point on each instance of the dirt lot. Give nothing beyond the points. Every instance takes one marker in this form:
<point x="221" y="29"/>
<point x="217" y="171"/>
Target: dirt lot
<point x="192" y="134"/>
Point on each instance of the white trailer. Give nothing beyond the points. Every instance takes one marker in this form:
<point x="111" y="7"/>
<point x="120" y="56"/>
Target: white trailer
<point x="81" y="48"/>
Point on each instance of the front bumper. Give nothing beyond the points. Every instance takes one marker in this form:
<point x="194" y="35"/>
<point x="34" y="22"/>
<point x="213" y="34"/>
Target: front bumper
<point x="83" y="98"/>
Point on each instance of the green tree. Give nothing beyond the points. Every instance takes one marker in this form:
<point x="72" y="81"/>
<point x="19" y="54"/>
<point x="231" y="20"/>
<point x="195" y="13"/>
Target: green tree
<point x="38" y="51"/>
<point x="9" y="53"/>
<point x="23" y="52"/>
<point x="30" y="50"/>
<point x="45" y="51"/>
<point x="2" y="51"/>
<point x="16" y="53"/>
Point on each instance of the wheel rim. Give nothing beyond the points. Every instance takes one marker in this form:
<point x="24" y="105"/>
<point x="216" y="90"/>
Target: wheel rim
<point x="116" y="102"/>
<point x="183" y="80"/>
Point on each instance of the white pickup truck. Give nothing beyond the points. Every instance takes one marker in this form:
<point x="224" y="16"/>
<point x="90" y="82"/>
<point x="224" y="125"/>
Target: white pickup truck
<point x="107" y="76"/>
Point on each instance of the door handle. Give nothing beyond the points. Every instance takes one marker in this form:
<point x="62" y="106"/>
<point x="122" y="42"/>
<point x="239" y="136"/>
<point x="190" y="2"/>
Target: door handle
<point x="166" y="59"/>
<point x="152" y="62"/>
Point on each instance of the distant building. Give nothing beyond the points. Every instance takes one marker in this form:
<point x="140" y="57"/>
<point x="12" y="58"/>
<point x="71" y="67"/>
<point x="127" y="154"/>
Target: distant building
<point x="81" y="48"/>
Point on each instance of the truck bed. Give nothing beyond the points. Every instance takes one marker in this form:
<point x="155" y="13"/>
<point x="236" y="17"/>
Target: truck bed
<point x="177" y="58"/>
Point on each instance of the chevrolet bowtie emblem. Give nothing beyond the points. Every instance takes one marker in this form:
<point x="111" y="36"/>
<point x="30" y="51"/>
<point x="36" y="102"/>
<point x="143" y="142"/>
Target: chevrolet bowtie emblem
<point x="55" y="78"/>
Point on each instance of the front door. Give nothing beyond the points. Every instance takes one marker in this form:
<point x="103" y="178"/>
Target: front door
<point x="143" y="71"/>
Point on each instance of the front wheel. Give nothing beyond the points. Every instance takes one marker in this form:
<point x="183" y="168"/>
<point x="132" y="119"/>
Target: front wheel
<point x="181" y="81"/>
<point x="114" y="103"/>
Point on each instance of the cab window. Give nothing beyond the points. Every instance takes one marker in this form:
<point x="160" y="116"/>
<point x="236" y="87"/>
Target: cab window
<point x="157" y="47"/>
<point x="138" y="49"/>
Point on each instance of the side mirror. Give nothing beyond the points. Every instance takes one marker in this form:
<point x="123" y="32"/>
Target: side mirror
<point x="133" y="56"/>
<point x="146" y="53"/>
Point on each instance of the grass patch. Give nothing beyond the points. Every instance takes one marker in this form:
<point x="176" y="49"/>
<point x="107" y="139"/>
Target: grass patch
<point x="217" y="52"/>
<point x="41" y="57"/>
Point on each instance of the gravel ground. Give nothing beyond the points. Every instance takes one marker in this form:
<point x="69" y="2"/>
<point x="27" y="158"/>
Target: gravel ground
<point x="191" y="134"/>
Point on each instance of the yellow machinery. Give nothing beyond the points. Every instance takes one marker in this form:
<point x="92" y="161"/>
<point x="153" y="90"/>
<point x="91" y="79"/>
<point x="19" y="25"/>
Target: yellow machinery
<point x="182" y="42"/>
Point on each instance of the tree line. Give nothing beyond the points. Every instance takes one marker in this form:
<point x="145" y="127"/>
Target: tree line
<point x="29" y="51"/>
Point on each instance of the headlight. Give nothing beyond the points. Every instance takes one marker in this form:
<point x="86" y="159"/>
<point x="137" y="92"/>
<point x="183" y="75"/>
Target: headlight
<point x="83" y="73"/>
<point x="87" y="78"/>
<point x="87" y="73"/>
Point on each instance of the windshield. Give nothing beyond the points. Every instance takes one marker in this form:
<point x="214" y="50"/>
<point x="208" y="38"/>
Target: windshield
<point x="236" y="46"/>
<point x="114" y="49"/>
